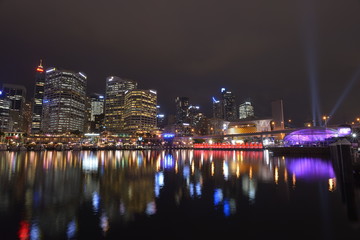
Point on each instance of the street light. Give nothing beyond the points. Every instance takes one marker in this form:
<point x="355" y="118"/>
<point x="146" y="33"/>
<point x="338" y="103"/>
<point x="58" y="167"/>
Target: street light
<point x="326" y="119"/>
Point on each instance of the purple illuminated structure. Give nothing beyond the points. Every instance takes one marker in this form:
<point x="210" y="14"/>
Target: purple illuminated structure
<point x="344" y="131"/>
<point x="310" y="168"/>
<point x="308" y="136"/>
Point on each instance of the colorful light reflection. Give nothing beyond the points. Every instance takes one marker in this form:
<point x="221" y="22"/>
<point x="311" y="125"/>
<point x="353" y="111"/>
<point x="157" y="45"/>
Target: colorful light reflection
<point x="310" y="168"/>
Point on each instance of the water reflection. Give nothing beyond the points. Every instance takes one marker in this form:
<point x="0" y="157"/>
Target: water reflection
<point x="118" y="187"/>
<point x="309" y="168"/>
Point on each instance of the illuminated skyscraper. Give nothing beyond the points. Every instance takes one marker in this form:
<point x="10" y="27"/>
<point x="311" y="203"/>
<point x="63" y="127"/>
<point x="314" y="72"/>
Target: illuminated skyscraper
<point x="114" y="102"/>
<point x="246" y="110"/>
<point x="229" y="105"/>
<point x="96" y="105"/>
<point x="27" y="117"/>
<point x="225" y="108"/>
<point x="64" y="101"/>
<point x="140" y="111"/>
<point x="182" y="110"/>
<point x="37" y="103"/>
<point x="161" y="119"/>
<point x="17" y="95"/>
<point x="195" y="115"/>
<point x="95" y="113"/>
<point x="4" y="112"/>
<point x="217" y="108"/>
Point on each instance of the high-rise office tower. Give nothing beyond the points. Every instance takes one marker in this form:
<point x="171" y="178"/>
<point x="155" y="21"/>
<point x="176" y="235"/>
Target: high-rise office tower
<point x="197" y="119"/>
<point x="114" y="102"/>
<point x="194" y="112"/>
<point x="182" y="110"/>
<point x="246" y="110"/>
<point x="17" y="95"/>
<point x="38" y="99"/>
<point x="96" y="105"/>
<point x="27" y="117"/>
<point x="4" y="112"/>
<point x="217" y="108"/>
<point x="95" y="112"/>
<point x="229" y="105"/>
<point x="64" y="101"/>
<point x="140" y="111"/>
<point x="160" y="118"/>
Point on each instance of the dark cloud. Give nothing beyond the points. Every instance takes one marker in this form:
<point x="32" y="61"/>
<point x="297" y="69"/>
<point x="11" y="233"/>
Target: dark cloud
<point x="255" y="48"/>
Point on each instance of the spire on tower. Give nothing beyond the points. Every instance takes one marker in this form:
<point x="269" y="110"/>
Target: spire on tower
<point x="40" y="67"/>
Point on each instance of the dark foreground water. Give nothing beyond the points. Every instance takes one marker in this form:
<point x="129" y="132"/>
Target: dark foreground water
<point x="181" y="194"/>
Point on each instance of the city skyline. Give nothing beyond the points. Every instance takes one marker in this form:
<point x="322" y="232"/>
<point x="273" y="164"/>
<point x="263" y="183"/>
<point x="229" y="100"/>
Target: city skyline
<point x="255" y="49"/>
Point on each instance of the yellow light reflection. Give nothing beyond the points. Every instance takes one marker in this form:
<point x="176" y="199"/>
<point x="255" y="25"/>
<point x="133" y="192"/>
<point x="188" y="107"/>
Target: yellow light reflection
<point x="237" y="171"/>
<point x="285" y="176"/>
<point x="294" y="180"/>
<point x="276" y="175"/>
<point x="158" y="164"/>
<point x="332" y="184"/>
<point x="250" y="172"/>
<point x="212" y="168"/>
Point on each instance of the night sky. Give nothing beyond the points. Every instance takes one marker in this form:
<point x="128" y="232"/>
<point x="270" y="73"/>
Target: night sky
<point x="258" y="49"/>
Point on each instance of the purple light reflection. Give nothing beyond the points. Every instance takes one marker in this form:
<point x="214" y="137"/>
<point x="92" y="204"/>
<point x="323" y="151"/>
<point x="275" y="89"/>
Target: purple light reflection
<point x="310" y="168"/>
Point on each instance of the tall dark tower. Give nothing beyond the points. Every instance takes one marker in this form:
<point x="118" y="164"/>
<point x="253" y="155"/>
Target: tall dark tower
<point x="17" y="95"/>
<point x="229" y="105"/>
<point x="37" y="104"/>
<point x="182" y="110"/>
<point x="217" y="108"/>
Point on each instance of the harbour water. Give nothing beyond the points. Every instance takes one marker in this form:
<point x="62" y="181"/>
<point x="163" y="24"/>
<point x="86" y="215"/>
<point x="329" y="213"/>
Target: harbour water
<point x="174" y="194"/>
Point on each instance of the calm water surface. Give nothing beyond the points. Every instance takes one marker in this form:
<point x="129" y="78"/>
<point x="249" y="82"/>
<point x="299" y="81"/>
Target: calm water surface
<point x="180" y="194"/>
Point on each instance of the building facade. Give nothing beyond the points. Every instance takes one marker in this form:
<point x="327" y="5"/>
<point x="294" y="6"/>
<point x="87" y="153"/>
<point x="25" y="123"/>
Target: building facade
<point x="182" y="110"/>
<point x="96" y="105"/>
<point x="140" y="111"/>
<point x="116" y="88"/>
<point x="17" y="96"/>
<point x="217" y="108"/>
<point x="37" y="102"/>
<point x="161" y="118"/>
<point x="95" y="113"/>
<point x="4" y="112"/>
<point x="229" y="105"/>
<point x="27" y="117"/>
<point x="64" y="101"/>
<point x="246" y="110"/>
<point x="225" y="108"/>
